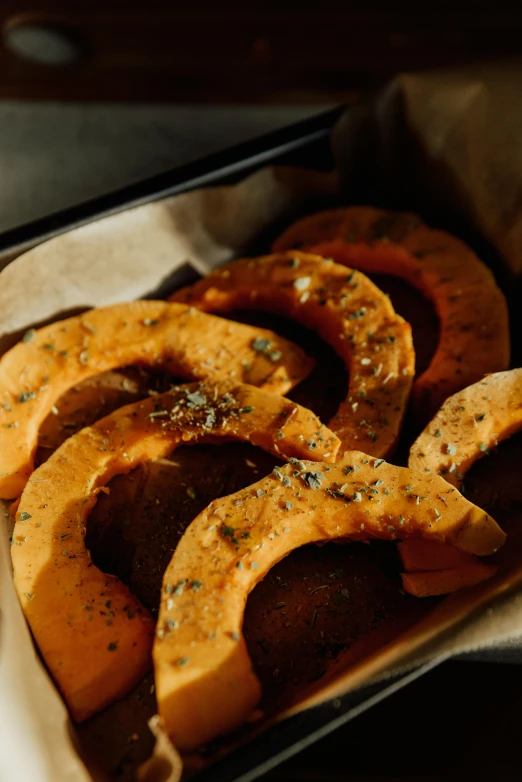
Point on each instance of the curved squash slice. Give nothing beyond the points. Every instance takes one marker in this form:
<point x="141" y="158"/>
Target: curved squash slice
<point x="49" y="361"/>
<point x="469" y="424"/>
<point x="474" y="329"/>
<point x="93" y="634"/>
<point x="204" y="679"/>
<point x="350" y="313"/>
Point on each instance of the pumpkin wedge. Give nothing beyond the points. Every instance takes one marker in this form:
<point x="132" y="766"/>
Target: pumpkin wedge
<point x="48" y="362"/>
<point x="94" y="636"/>
<point x="441" y="582"/>
<point x="205" y="684"/>
<point x="469" y="425"/>
<point x="464" y="430"/>
<point x="474" y="329"/>
<point x="349" y="312"/>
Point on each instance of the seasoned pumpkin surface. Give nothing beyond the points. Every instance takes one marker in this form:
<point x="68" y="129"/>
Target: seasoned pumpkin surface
<point x="74" y="609"/>
<point x="468" y="426"/>
<point x="474" y="329"/>
<point x="350" y="313"/>
<point x="182" y="340"/>
<point x="204" y="679"/>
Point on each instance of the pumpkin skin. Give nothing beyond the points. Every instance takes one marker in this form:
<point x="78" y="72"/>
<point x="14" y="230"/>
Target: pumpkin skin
<point x="349" y="312"/>
<point x="466" y="427"/>
<point x="473" y="314"/>
<point x="205" y="684"/>
<point x="93" y="634"/>
<point x="183" y="341"/>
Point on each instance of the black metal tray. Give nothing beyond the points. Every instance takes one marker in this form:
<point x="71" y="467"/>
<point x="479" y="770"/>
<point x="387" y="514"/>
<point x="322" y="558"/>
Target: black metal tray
<point x="306" y="144"/>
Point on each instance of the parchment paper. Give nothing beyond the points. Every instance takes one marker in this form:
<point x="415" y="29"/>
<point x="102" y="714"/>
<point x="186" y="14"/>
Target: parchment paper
<point x="444" y="144"/>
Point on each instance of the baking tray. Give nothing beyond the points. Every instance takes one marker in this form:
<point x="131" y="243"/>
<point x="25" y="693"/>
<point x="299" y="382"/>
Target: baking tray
<point x="306" y="144"/>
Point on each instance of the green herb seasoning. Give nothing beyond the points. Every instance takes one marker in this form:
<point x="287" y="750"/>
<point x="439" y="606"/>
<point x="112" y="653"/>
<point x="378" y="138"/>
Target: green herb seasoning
<point x="261" y="344"/>
<point x="25" y="396"/>
<point x="313" y="479"/>
<point x="196" y="399"/>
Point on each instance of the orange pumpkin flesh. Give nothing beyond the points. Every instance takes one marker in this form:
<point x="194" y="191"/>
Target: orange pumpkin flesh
<point x="474" y="328"/>
<point x="349" y="312"/>
<point x="94" y="636"/>
<point x="205" y="684"/>
<point x="469" y="424"/>
<point x="183" y="341"/>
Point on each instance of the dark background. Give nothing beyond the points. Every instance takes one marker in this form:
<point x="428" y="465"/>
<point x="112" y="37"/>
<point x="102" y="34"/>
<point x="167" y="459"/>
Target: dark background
<point x="249" y="51"/>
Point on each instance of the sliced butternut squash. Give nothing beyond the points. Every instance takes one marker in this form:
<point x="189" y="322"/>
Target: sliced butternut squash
<point x="204" y="679"/>
<point x="185" y="342"/>
<point x="419" y="555"/>
<point x="469" y="424"/>
<point x="474" y="329"/>
<point x="442" y="582"/>
<point x="93" y="634"/>
<point x="349" y="312"/>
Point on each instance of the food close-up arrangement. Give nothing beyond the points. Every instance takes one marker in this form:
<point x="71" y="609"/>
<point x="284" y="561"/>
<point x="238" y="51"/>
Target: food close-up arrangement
<point x="227" y="502"/>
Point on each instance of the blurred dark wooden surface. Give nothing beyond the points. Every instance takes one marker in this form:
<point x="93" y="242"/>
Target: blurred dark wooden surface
<point x="259" y="51"/>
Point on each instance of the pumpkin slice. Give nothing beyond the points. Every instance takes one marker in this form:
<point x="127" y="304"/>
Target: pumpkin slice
<point x="183" y="341"/>
<point x="350" y="313"/>
<point x="204" y="679"/>
<point x="93" y="634"/>
<point x="419" y="555"/>
<point x="469" y="424"/>
<point x="474" y="329"/>
<point x="442" y="582"/>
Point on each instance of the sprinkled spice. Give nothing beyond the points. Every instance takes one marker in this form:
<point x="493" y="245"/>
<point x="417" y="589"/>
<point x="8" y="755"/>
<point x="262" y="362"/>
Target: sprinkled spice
<point x="24" y="516"/>
<point x="438" y="433"/>
<point x="28" y="336"/>
<point x="25" y="396"/>
<point x="149" y="322"/>
<point x="112" y="646"/>
<point x="247" y="409"/>
<point x="483" y="447"/>
<point x="278" y="474"/>
<point x="302" y="283"/>
<point x="313" y="479"/>
<point x="275" y="355"/>
<point x="196" y="399"/>
<point x="481" y="417"/>
<point x="288" y="505"/>
<point x="227" y="531"/>
<point x="261" y="344"/>
<point x="196" y="585"/>
<point x="451" y="449"/>
<point x="183" y="661"/>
